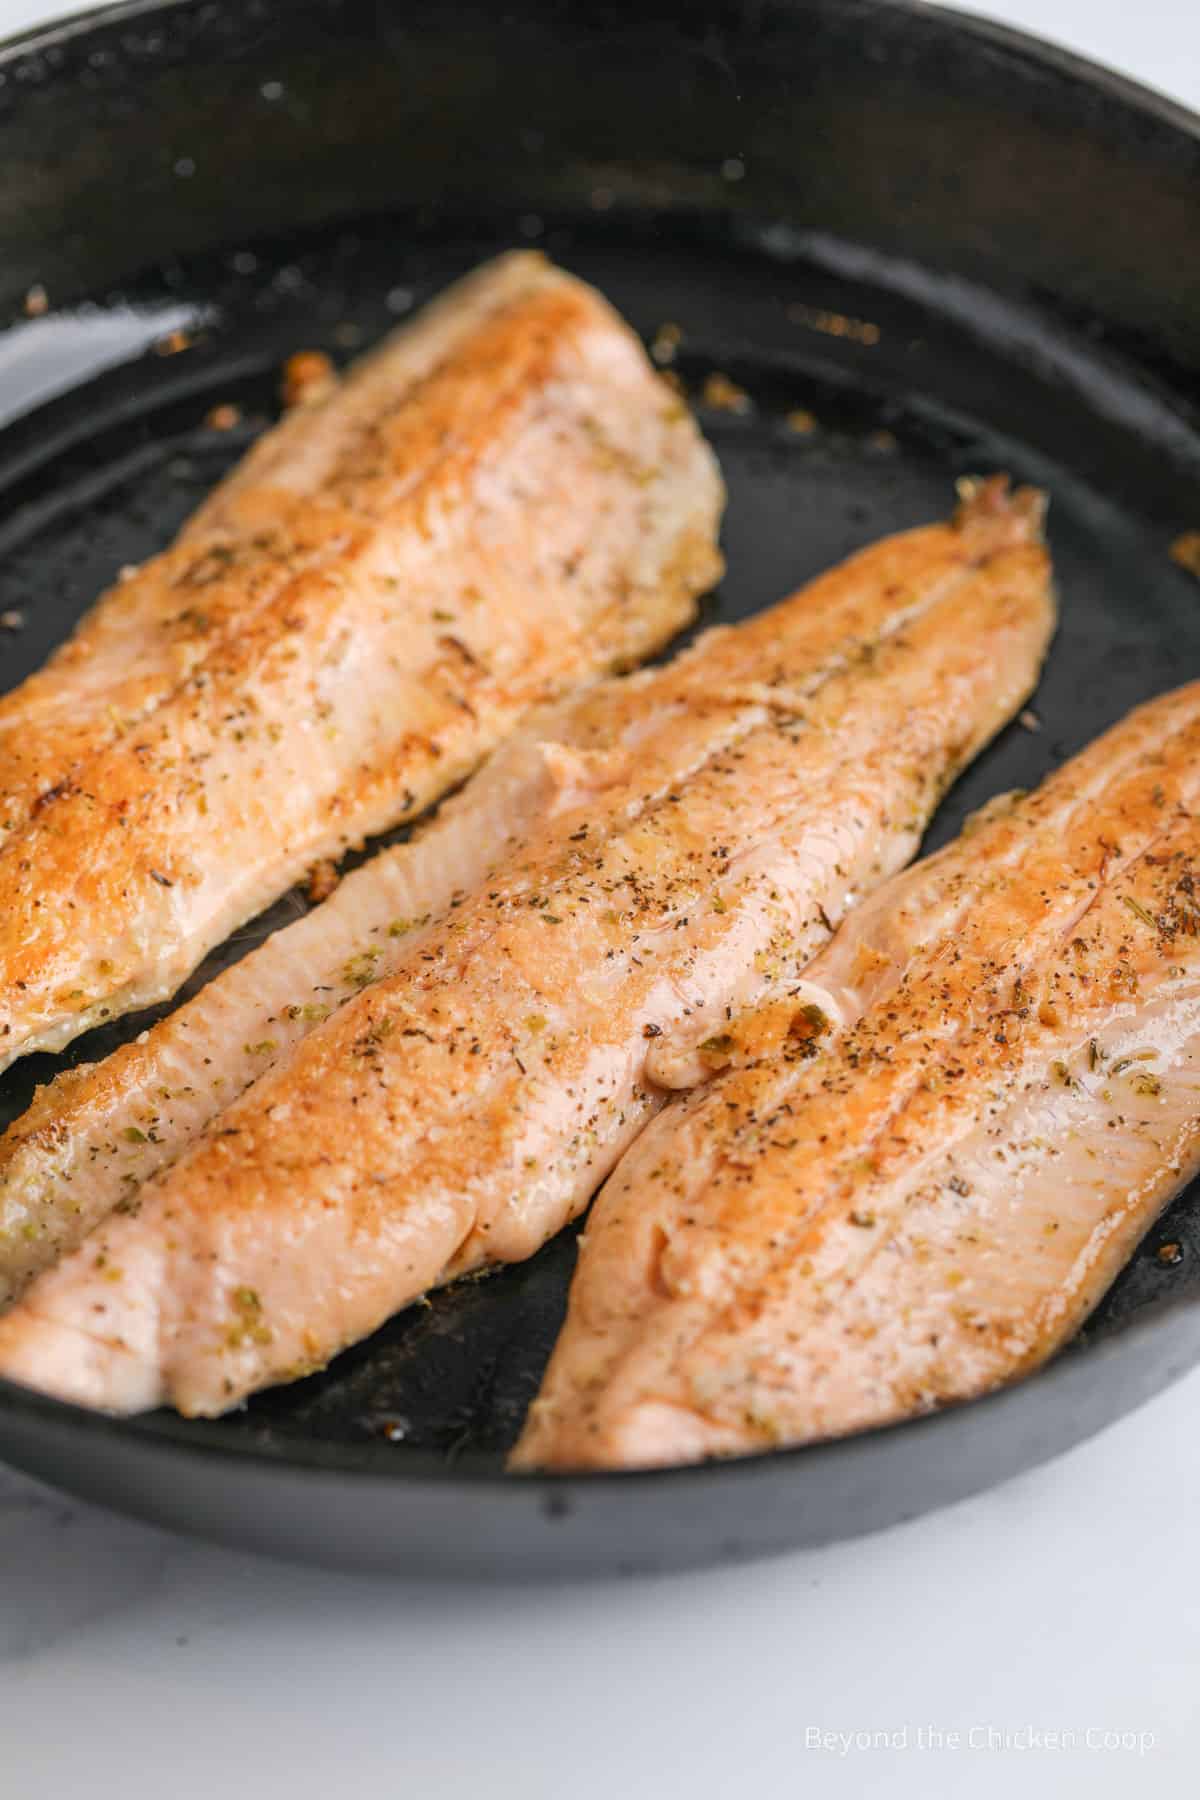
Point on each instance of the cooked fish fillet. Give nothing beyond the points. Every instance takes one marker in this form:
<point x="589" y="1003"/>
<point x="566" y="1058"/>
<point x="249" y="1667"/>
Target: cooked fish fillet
<point x="498" y="503"/>
<point x="95" y="1133"/>
<point x="714" y="818"/>
<point x="813" y="1245"/>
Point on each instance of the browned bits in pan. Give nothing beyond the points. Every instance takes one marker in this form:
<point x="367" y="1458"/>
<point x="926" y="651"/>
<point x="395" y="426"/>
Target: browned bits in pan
<point x="834" y="324"/>
<point x="307" y="376"/>
<point x="725" y="395"/>
<point x="1186" y="552"/>
<point x="323" y="877"/>
<point x="665" y="342"/>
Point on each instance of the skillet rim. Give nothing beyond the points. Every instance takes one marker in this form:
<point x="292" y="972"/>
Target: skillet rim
<point x="1044" y="52"/>
<point x="173" y="1432"/>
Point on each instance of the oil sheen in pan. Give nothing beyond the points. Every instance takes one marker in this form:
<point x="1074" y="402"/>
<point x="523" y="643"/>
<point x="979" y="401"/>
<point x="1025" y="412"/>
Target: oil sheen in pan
<point x="804" y="382"/>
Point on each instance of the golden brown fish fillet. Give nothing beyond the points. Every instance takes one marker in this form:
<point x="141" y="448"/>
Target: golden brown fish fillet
<point x="816" y="1244"/>
<point x="500" y="502"/>
<point x="95" y="1133"/>
<point x="713" y="819"/>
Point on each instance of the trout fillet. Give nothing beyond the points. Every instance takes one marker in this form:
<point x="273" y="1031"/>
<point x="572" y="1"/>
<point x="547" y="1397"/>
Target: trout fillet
<point x="820" y="1243"/>
<point x="501" y="501"/>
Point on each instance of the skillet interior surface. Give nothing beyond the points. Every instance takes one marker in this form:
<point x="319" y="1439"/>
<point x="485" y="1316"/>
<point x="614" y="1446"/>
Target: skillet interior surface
<point x="870" y="383"/>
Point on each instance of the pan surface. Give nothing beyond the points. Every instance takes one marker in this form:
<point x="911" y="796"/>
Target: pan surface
<point x="916" y="246"/>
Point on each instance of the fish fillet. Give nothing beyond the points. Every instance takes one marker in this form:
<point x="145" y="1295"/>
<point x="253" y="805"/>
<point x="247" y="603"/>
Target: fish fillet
<point x="94" y="1134"/>
<point x="500" y="502"/>
<point x="818" y="1244"/>
<point x="714" y="819"/>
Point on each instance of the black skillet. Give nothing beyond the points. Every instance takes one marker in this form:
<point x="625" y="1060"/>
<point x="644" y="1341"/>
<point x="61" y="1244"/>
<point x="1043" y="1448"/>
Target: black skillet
<point x="957" y="249"/>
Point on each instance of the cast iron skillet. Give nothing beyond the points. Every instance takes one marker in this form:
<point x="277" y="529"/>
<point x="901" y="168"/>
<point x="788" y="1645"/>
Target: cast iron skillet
<point x="958" y="250"/>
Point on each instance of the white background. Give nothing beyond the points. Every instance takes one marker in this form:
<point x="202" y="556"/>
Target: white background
<point x="132" y="1664"/>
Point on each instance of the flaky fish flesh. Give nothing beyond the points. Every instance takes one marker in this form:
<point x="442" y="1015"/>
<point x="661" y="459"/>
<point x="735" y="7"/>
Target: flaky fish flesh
<point x="930" y="1205"/>
<point x="501" y="501"/>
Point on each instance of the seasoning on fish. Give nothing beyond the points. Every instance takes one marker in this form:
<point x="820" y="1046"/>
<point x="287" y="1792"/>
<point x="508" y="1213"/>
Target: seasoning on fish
<point x="714" y="820"/>
<point x="931" y="1206"/>
<point x="500" y="502"/>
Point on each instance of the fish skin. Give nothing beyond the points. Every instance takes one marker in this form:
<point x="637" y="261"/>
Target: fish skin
<point x="728" y="809"/>
<point x="501" y="502"/>
<point x="933" y="1205"/>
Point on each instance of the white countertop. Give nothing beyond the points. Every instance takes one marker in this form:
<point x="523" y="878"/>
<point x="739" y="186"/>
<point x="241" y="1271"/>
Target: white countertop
<point x="138" y="1665"/>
